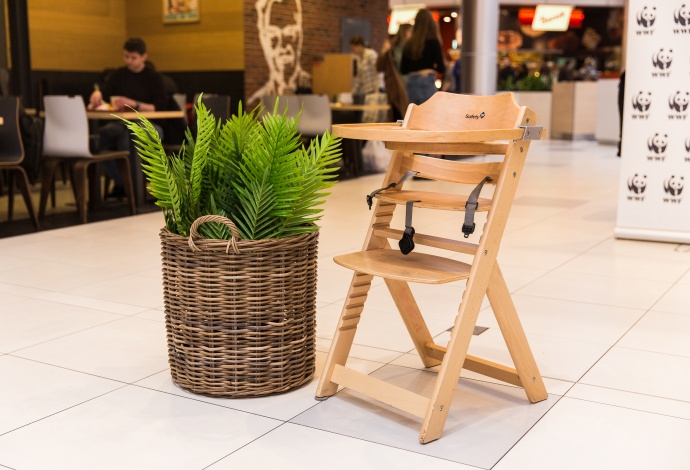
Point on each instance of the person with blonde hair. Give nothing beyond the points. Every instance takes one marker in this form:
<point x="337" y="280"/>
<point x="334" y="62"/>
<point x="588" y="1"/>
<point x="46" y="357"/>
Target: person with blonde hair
<point x="423" y="58"/>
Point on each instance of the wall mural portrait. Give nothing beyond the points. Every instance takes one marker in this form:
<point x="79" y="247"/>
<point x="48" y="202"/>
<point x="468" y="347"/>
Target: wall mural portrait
<point x="280" y="35"/>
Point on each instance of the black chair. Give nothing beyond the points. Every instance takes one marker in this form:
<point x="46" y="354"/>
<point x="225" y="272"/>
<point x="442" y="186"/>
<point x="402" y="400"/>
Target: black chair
<point x="218" y="105"/>
<point x="12" y="155"/>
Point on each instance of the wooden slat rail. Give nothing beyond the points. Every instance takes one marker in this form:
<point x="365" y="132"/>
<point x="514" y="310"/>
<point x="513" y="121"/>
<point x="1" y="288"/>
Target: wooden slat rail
<point x="429" y="200"/>
<point x="379" y="390"/>
<point x="443" y="148"/>
<point x="430" y="240"/>
<point x="481" y="366"/>
<point x="450" y="170"/>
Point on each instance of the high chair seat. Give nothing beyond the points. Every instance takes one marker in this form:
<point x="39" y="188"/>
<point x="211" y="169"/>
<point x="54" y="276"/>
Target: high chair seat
<point x="413" y="267"/>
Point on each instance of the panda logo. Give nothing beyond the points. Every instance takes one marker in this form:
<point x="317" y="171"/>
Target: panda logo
<point x="646" y="17"/>
<point x="682" y="15"/>
<point x="642" y="102"/>
<point x="657" y="143"/>
<point x="674" y="185"/>
<point x="679" y="101"/>
<point x="662" y="59"/>
<point x="637" y="183"/>
<point x="687" y="144"/>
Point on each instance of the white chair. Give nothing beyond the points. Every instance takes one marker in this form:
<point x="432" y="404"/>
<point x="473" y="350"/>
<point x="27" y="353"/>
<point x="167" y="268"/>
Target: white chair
<point x="375" y="115"/>
<point x="316" y="115"/>
<point x="291" y="102"/>
<point x="66" y="139"/>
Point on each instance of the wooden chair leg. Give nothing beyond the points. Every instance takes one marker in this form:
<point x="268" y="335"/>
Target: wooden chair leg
<point x="81" y="188"/>
<point x="514" y="336"/>
<point x="124" y="169"/>
<point x="344" y="333"/>
<point x="454" y="358"/>
<point x="10" y="195"/>
<point x="47" y="183"/>
<point x="23" y="183"/>
<point x="412" y="317"/>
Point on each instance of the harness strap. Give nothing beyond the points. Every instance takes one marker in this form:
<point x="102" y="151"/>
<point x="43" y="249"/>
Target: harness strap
<point x="471" y="207"/>
<point x="406" y="243"/>
<point x="405" y="177"/>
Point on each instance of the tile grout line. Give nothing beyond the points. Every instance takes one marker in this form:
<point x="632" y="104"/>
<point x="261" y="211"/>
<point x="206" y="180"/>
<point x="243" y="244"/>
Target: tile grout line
<point x="631" y="327"/>
<point x="64" y="409"/>
<point x="634" y="393"/>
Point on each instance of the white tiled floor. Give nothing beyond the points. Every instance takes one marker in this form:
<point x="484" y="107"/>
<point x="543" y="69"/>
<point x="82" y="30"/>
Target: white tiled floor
<point x="85" y="383"/>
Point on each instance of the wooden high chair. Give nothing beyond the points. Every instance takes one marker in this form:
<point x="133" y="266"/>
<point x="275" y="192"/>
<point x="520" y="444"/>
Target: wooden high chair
<point x="456" y="125"/>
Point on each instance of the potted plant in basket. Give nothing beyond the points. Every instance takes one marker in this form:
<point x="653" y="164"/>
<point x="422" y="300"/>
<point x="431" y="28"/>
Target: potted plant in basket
<point x="240" y="202"/>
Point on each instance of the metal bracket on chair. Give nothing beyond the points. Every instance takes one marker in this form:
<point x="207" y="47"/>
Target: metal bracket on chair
<point x="532" y="132"/>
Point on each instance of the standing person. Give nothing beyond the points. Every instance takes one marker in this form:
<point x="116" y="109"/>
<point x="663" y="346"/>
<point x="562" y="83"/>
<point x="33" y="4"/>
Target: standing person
<point x="366" y="79"/>
<point x="621" y="104"/>
<point x="133" y="86"/>
<point x="388" y="62"/>
<point x="422" y="58"/>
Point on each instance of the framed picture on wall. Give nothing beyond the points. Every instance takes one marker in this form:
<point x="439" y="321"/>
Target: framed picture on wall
<point x="180" y="11"/>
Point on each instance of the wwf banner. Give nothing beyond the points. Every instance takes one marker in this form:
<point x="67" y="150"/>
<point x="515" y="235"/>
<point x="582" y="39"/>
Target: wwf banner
<point x="654" y="195"/>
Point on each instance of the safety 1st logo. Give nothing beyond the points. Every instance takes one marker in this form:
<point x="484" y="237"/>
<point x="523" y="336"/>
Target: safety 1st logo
<point x="673" y="187"/>
<point x="637" y="184"/>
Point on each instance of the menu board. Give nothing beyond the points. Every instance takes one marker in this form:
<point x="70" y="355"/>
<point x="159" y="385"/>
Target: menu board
<point x="654" y="187"/>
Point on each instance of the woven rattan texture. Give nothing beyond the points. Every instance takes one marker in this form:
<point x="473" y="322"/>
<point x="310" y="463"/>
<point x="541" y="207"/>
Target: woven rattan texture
<point x="240" y="325"/>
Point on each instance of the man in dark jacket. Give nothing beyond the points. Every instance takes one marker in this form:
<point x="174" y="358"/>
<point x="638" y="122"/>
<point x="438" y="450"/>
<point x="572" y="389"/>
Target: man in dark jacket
<point x="133" y="86"/>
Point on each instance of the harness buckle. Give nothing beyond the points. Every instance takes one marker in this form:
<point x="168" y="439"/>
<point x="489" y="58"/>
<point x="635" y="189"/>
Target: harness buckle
<point x="468" y="230"/>
<point x="406" y="243"/>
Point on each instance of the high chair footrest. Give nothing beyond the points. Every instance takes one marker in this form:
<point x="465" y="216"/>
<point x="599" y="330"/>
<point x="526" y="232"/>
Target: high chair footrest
<point x="414" y="267"/>
<point x="432" y="200"/>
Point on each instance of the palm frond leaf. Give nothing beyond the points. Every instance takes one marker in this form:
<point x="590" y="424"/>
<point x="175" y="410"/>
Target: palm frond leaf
<point x="251" y="169"/>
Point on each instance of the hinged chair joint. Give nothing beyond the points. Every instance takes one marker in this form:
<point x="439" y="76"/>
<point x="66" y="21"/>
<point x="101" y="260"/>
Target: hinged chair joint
<point x="532" y="132"/>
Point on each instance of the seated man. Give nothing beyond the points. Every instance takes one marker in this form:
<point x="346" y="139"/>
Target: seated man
<point x="133" y="86"/>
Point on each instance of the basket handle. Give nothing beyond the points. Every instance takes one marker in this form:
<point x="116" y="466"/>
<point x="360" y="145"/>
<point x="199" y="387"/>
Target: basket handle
<point x="193" y="232"/>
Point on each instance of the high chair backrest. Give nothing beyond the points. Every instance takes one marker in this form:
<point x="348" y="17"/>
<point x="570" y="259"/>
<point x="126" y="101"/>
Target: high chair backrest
<point x="66" y="132"/>
<point x="490" y="114"/>
<point x="464" y="113"/>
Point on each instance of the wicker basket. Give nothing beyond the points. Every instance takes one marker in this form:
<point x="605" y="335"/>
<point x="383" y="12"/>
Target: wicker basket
<point x="239" y="314"/>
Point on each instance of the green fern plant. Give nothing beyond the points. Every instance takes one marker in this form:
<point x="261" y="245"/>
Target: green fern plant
<point x="254" y="172"/>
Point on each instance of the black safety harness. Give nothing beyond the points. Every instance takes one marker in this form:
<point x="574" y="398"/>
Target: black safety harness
<point x="471" y="207"/>
<point x="406" y="243"/>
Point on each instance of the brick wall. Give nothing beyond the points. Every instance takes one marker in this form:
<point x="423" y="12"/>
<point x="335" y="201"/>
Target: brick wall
<point x="321" y="33"/>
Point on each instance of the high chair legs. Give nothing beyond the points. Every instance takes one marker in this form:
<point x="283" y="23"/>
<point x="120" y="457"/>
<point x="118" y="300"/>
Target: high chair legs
<point x="344" y="333"/>
<point x="514" y="336"/>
